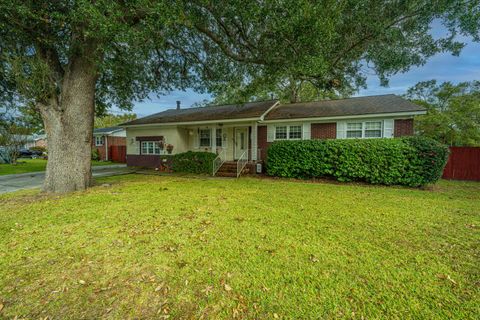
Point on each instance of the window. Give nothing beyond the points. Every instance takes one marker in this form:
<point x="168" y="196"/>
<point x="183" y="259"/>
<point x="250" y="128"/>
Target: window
<point x="288" y="132"/>
<point x="295" y="132"/>
<point x="99" y="140"/>
<point x="150" y="147"/>
<point x="219" y="137"/>
<point x="369" y="129"/>
<point x="373" y="129"/>
<point x="280" y="133"/>
<point x="205" y="137"/>
<point x="354" y="130"/>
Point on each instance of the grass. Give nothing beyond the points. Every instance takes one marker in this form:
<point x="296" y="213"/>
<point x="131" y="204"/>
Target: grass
<point x="152" y="247"/>
<point x="35" y="165"/>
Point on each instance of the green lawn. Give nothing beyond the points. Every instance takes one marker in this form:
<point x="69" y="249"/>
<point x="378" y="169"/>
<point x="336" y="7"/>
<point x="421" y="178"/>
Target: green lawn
<point x="34" y="165"/>
<point x="152" y="247"/>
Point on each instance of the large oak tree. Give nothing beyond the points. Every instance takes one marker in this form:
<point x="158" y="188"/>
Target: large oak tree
<point x="69" y="58"/>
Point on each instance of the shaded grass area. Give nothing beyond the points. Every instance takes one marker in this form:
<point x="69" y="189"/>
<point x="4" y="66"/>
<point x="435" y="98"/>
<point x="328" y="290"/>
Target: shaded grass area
<point x="158" y="247"/>
<point x="35" y="165"/>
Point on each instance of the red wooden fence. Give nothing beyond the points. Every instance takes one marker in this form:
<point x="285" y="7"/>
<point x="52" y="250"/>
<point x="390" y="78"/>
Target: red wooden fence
<point x="463" y="164"/>
<point x="118" y="154"/>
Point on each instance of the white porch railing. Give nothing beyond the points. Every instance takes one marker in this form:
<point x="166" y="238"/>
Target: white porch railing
<point x="219" y="160"/>
<point x="242" y="162"/>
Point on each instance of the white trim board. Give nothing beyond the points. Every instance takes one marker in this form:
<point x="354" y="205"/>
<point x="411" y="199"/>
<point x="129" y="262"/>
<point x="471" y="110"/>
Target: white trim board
<point x="362" y="116"/>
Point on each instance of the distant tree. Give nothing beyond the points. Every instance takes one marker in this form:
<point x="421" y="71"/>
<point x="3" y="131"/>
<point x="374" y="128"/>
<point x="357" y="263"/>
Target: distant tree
<point x="453" y="114"/>
<point x="111" y="120"/>
<point x="13" y="136"/>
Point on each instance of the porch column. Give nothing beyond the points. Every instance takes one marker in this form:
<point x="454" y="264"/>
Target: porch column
<point x="254" y="142"/>
<point x="214" y="139"/>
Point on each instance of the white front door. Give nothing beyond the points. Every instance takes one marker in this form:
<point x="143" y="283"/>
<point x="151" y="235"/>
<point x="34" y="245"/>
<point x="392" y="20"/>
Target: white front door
<point x="241" y="141"/>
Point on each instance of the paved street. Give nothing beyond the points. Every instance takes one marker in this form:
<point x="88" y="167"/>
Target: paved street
<point x="14" y="182"/>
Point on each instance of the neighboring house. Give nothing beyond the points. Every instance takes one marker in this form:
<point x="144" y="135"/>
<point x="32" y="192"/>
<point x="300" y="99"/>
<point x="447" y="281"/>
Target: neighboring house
<point x="110" y="143"/>
<point x="36" y="140"/>
<point x="245" y="131"/>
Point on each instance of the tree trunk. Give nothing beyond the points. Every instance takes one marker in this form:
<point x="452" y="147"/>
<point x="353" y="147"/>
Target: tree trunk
<point x="68" y="124"/>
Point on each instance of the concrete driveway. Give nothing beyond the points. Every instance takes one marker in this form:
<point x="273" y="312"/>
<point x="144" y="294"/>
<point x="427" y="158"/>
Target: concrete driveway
<point x="14" y="182"/>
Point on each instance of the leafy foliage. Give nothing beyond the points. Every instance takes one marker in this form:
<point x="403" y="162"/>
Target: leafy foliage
<point x="453" y="116"/>
<point x="111" y="120"/>
<point x="193" y="162"/>
<point x="408" y="161"/>
<point x="95" y="154"/>
<point x="142" y="46"/>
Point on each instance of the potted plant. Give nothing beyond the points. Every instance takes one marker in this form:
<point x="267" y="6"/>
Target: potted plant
<point x="169" y="148"/>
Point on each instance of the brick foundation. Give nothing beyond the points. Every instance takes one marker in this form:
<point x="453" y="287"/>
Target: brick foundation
<point x="163" y="162"/>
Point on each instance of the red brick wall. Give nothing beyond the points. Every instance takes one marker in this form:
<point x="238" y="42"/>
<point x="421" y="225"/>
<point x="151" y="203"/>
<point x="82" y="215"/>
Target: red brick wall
<point x="403" y="127"/>
<point x="324" y="130"/>
<point x="262" y="143"/>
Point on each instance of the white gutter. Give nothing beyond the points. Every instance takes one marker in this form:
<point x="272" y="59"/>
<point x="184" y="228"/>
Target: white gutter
<point x="372" y="115"/>
<point x="276" y="104"/>
<point x="191" y="122"/>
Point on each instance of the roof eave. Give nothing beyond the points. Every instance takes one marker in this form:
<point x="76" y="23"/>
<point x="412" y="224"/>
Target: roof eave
<point x="359" y="116"/>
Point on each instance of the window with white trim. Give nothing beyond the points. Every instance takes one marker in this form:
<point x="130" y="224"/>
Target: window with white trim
<point x="99" y="140"/>
<point x="368" y="129"/>
<point x="151" y="147"/>
<point x="205" y="137"/>
<point x="218" y="137"/>
<point x="373" y="129"/>
<point x="293" y="132"/>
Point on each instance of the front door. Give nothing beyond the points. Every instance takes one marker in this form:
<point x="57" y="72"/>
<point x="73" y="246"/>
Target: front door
<point x="241" y="141"/>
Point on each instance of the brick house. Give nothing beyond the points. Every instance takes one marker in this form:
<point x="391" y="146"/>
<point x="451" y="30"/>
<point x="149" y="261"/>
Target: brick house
<point x="110" y="143"/>
<point x="242" y="133"/>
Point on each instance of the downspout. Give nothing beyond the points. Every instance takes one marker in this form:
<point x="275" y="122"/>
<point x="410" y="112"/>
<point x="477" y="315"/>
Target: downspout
<point x="106" y="148"/>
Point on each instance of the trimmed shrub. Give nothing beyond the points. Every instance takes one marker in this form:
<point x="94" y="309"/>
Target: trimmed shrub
<point x="193" y="162"/>
<point x="412" y="161"/>
<point x="95" y="154"/>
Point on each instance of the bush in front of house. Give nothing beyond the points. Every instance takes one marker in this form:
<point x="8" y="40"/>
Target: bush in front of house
<point x="193" y="162"/>
<point x="95" y="154"/>
<point x="412" y="161"/>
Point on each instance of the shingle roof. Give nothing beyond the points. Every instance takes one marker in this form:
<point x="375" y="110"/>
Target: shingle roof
<point x="107" y="130"/>
<point x="224" y="112"/>
<point x="389" y="103"/>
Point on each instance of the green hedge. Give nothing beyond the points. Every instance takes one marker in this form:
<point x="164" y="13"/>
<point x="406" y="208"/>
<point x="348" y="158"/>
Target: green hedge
<point x="412" y="161"/>
<point x="193" y="162"/>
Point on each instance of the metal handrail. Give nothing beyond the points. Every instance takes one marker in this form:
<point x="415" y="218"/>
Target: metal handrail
<point x="242" y="162"/>
<point x="218" y="161"/>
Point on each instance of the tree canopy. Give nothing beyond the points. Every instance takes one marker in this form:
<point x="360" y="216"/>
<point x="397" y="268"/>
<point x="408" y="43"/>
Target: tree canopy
<point x="111" y="120"/>
<point x="142" y="46"/>
<point x="453" y="114"/>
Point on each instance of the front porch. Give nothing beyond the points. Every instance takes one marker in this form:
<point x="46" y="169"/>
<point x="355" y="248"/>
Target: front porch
<point x="234" y="141"/>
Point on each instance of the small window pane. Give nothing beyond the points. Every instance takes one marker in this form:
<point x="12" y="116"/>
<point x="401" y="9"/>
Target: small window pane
<point x="373" y="125"/>
<point x="354" y="126"/>
<point x="354" y="134"/>
<point x="156" y="148"/>
<point x="373" y="129"/>
<point x="354" y="130"/>
<point x="205" y="138"/>
<point x="219" y="137"/>
<point x="295" y="132"/>
<point x="280" y="132"/>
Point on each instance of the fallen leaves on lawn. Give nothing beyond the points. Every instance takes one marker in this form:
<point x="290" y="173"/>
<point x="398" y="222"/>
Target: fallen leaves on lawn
<point x="227" y="288"/>
<point x="313" y="258"/>
<point x="446" y="277"/>
<point x="207" y="290"/>
<point x="82" y="282"/>
<point x="1" y="307"/>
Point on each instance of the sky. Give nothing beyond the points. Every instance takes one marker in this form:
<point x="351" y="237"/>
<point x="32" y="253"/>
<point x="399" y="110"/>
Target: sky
<point x="442" y="67"/>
